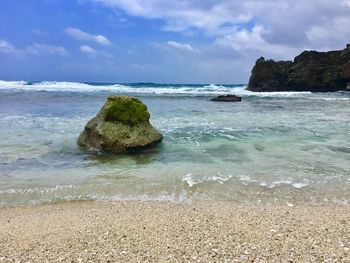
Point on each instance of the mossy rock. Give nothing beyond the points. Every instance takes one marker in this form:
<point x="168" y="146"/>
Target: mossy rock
<point x="122" y="125"/>
<point x="125" y="109"/>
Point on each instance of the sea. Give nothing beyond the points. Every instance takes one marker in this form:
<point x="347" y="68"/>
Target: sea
<point x="280" y="147"/>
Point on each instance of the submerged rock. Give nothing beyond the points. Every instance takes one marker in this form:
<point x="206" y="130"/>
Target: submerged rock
<point x="226" y="98"/>
<point x="121" y="125"/>
<point x="310" y="71"/>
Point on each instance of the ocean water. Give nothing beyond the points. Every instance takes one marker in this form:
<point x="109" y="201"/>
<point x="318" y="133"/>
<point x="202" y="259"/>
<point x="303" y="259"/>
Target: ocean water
<point x="271" y="147"/>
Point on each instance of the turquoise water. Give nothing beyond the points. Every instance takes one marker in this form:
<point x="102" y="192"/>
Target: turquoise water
<point x="271" y="147"/>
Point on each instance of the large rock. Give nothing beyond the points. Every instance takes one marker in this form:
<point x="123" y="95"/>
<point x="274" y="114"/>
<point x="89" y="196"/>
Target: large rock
<point x="310" y="71"/>
<point x="121" y="125"/>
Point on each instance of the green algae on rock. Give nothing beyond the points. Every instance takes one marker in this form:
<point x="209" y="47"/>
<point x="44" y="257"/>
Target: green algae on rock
<point x="126" y="110"/>
<point x="121" y="125"/>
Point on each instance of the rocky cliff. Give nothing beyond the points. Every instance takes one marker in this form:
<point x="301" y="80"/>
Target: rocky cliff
<point x="310" y="71"/>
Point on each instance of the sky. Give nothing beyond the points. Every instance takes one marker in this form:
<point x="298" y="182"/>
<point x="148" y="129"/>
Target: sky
<point x="161" y="41"/>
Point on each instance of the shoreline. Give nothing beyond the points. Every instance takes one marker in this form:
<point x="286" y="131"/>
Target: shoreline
<point x="157" y="231"/>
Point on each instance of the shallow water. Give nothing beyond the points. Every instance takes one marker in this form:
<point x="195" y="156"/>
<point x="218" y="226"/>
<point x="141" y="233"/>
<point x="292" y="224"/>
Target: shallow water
<point x="271" y="147"/>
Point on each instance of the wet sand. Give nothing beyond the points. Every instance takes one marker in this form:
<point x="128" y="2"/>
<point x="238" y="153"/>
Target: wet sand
<point x="205" y="231"/>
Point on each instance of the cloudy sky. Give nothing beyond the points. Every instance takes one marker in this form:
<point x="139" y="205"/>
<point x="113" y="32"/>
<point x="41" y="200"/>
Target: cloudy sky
<point x="163" y="41"/>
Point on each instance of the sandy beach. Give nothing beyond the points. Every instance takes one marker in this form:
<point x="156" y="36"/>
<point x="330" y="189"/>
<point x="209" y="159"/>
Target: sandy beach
<point x="204" y="231"/>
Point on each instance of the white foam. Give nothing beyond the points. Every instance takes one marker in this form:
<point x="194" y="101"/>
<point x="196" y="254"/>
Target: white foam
<point x="213" y="86"/>
<point x="211" y="89"/>
<point x="17" y="83"/>
<point x="220" y="179"/>
<point x="37" y="190"/>
<point x="299" y="185"/>
<point x="245" y="180"/>
<point x="274" y="184"/>
<point x="163" y="197"/>
<point x="332" y="99"/>
<point x="245" y="92"/>
<point x="189" y="180"/>
<point x="118" y="88"/>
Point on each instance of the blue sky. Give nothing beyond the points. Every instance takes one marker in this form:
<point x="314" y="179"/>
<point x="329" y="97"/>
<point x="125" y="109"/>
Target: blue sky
<point x="163" y="41"/>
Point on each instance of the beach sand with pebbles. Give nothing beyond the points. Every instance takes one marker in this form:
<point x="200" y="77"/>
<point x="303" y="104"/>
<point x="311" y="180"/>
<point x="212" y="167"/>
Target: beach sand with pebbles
<point x="203" y="231"/>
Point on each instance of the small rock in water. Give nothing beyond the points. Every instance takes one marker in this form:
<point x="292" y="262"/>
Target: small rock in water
<point x="227" y="98"/>
<point x="121" y="125"/>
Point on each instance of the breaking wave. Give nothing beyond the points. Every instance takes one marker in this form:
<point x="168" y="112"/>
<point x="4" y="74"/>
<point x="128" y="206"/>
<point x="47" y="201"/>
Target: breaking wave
<point x="142" y="88"/>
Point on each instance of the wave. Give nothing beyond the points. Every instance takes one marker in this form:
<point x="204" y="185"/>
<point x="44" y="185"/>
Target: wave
<point x="17" y="83"/>
<point x="220" y="179"/>
<point x="245" y="180"/>
<point x="37" y="190"/>
<point x="151" y="88"/>
<point x="139" y="88"/>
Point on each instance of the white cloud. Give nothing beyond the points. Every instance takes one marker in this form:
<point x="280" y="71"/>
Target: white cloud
<point x="289" y="25"/>
<point x="87" y="49"/>
<point x="180" y="15"/>
<point x="6" y="47"/>
<point x="346" y="3"/>
<point x="81" y="35"/>
<point x="181" y="46"/>
<point x="244" y="40"/>
<point x="35" y="49"/>
<point x="39" y="32"/>
<point x="333" y="31"/>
